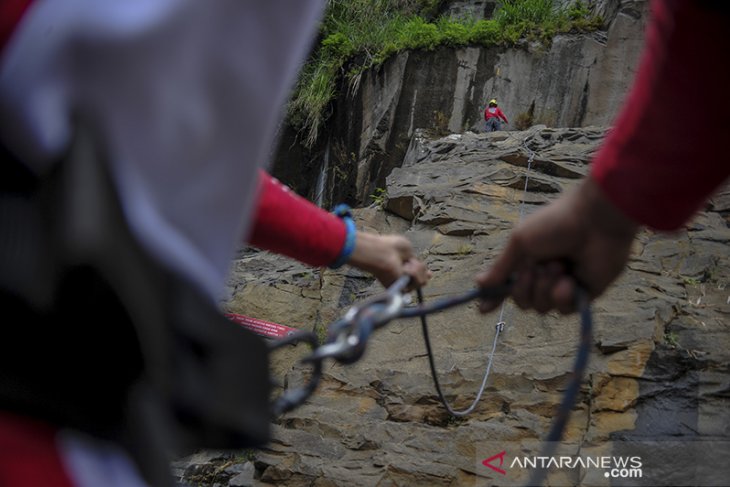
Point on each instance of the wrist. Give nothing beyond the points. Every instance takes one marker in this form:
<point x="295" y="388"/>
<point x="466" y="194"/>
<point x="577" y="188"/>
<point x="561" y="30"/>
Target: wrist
<point x="602" y="213"/>
<point x="368" y="254"/>
<point x="351" y="237"/>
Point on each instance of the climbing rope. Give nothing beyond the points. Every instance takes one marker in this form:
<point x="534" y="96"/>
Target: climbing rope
<point x="498" y="329"/>
<point x="348" y="337"/>
<point x="434" y="374"/>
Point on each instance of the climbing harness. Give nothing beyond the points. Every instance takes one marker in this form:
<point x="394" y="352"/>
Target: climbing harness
<point x="348" y="337"/>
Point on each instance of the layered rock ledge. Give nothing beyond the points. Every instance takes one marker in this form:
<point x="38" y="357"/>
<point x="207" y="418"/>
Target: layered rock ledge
<point x="659" y="363"/>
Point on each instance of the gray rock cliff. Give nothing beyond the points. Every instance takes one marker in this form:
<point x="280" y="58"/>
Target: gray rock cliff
<point x="579" y="80"/>
<point x="659" y="357"/>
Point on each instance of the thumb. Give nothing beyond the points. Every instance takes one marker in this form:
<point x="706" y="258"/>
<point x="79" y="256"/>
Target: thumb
<point x="501" y="270"/>
<point x="419" y="272"/>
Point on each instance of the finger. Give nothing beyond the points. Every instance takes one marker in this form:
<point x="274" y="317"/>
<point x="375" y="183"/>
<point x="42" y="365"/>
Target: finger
<point x="490" y="304"/>
<point x="419" y="272"/>
<point x="504" y="266"/>
<point x="403" y="247"/>
<point x="563" y="294"/>
<point x="500" y="271"/>
<point x="522" y="289"/>
<point x="547" y="278"/>
<point x="542" y="289"/>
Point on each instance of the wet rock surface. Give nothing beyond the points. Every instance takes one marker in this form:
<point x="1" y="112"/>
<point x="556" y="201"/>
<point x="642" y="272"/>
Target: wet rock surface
<point x="659" y="366"/>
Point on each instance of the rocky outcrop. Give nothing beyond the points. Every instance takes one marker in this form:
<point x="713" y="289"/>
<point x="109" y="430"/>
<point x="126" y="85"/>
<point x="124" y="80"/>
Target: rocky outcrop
<point x="659" y="362"/>
<point x="579" y="80"/>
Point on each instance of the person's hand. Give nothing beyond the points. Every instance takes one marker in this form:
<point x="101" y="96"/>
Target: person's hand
<point x="388" y="257"/>
<point x="579" y="239"/>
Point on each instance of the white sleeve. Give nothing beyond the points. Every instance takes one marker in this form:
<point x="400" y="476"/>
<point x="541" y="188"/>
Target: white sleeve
<point x="186" y="93"/>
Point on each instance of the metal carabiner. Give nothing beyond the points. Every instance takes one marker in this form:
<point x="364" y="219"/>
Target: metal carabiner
<point x="339" y="340"/>
<point x="370" y="316"/>
<point x="348" y="336"/>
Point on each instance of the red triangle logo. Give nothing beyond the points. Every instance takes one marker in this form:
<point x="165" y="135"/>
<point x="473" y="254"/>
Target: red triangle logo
<point x="488" y="462"/>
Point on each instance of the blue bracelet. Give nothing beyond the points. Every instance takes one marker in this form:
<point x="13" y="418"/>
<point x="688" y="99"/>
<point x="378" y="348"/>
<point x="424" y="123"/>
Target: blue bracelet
<point x="343" y="211"/>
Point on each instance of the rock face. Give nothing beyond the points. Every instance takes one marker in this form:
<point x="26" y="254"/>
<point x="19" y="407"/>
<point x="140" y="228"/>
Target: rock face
<point x="580" y="80"/>
<point x="659" y="362"/>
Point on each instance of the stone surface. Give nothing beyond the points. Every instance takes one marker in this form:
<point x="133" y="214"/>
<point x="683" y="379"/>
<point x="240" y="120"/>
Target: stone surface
<point x="579" y="80"/>
<point x="658" y="368"/>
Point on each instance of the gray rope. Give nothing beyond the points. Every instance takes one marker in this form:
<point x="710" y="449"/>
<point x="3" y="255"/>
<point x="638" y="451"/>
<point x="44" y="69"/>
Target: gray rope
<point x="498" y="328"/>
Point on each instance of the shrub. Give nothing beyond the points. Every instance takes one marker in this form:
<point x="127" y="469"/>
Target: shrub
<point x="379" y="197"/>
<point x="578" y="10"/>
<point x="523" y="121"/>
<point x="337" y="46"/>
<point x="418" y="34"/>
<point x="440" y="123"/>
<point x="454" y="32"/>
<point x="535" y="12"/>
<point x="371" y="31"/>
<point x="486" y="33"/>
<point x="316" y="90"/>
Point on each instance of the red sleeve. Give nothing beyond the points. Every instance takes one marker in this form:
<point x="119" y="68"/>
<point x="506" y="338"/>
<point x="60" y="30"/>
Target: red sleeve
<point x="667" y="152"/>
<point x="290" y="225"/>
<point x="501" y="114"/>
<point x="31" y="454"/>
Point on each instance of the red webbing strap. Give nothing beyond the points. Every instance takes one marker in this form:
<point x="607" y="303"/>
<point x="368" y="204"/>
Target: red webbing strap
<point x="261" y="327"/>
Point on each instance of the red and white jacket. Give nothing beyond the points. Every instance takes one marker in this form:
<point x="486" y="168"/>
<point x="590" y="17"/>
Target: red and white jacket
<point x="492" y="112"/>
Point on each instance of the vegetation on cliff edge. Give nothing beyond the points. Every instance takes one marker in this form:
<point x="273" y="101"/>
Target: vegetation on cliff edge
<point x="359" y="34"/>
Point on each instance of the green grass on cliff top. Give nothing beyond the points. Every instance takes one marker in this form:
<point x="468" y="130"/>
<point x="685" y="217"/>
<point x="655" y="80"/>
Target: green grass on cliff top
<point x="358" y="34"/>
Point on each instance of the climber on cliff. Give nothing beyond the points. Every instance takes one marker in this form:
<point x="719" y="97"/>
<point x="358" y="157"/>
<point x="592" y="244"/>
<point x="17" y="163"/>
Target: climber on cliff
<point x="494" y="116"/>
<point x="651" y="171"/>
<point x="149" y="120"/>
